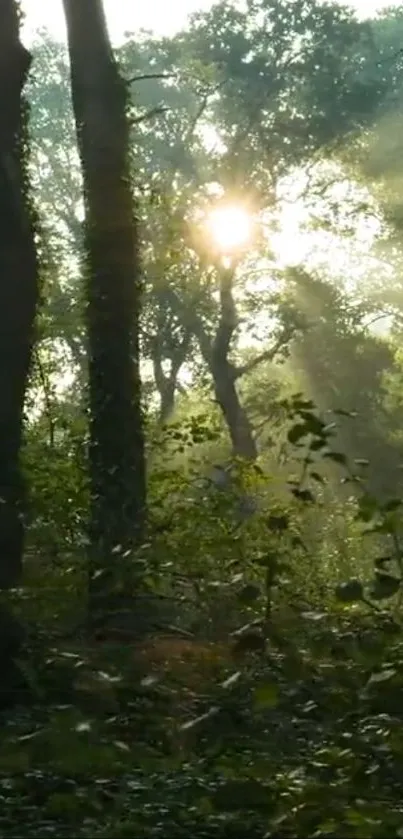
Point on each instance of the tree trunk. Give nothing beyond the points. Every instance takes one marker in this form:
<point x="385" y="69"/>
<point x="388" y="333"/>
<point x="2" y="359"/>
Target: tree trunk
<point x="168" y="384"/>
<point x="166" y="392"/>
<point x="236" y="418"/>
<point x="224" y="374"/>
<point x="117" y="461"/>
<point x="19" y="289"/>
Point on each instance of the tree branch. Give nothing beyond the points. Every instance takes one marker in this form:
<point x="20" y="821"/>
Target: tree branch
<point x="228" y="316"/>
<point x="200" y="111"/>
<point x="179" y="356"/>
<point x="153" y="112"/>
<point x="267" y="355"/>
<point x="147" y="76"/>
<point x="194" y="324"/>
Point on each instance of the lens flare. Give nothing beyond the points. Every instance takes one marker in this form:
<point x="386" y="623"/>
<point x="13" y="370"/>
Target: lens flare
<point x="230" y="228"/>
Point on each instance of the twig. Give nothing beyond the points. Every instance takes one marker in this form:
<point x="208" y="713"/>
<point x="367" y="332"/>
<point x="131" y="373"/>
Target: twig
<point x="147" y="76"/>
<point x="267" y="355"/>
<point x="153" y="112"/>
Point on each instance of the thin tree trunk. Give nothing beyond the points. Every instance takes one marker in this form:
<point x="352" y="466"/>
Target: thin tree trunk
<point x="168" y="384"/>
<point x="117" y="463"/>
<point x="18" y="287"/>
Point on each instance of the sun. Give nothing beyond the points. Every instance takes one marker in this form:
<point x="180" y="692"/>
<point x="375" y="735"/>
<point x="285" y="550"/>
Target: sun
<point x="230" y="228"/>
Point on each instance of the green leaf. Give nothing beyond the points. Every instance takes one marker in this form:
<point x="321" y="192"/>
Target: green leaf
<point x="266" y="560"/>
<point x="315" y="425"/>
<point x="316" y="445"/>
<point x="327" y="828"/>
<point x="381" y="561"/>
<point x="384" y="586"/>
<point x="297" y="432"/>
<point x="313" y="616"/>
<point x="337" y="457"/>
<point x="250" y="642"/>
<point x="304" y="495"/>
<point x="382" y="676"/>
<point x="392" y="505"/>
<point x="277" y="523"/>
<point x="350" y="592"/>
<point x="63" y="805"/>
<point x="194" y="723"/>
<point x="232" y="680"/>
<point x="300" y="404"/>
<point x="317" y="477"/>
<point x="243" y="795"/>
<point x="266" y="696"/>
<point x="340" y="412"/>
<point x="249" y="594"/>
<point x="368" y="507"/>
<point x="297" y="542"/>
<point x="381" y="527"/>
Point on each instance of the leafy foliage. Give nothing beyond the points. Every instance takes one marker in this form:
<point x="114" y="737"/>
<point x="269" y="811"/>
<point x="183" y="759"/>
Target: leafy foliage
<point x="246" y="678"/>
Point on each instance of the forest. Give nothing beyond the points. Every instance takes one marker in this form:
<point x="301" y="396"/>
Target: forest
<point x="201" y="425"/>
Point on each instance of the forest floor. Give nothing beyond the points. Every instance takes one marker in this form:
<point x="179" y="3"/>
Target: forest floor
<point x="304" y="741"/>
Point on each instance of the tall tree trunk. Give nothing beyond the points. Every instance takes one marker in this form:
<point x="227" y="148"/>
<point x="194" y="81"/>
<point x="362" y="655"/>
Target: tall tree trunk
<point x="117" y="462"/>
<point x="215" y="351"/>
<point x="18" y="287"/>
<point x="224" y="374"/>
<point x="239" y="426"/>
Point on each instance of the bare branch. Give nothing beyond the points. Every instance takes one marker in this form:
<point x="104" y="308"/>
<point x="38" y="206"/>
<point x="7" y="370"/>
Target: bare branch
<point x="201" y="109"/>
<point x="267" y="355"/>
<point x="153" y="112"/>
<point x="261" y="426"/>
<point x="147" y="76"/>
<point x="189" y="315"/>
<point x="201" y="335"/>
<point x="199" y="113"/>
<point x="381" y="316"/>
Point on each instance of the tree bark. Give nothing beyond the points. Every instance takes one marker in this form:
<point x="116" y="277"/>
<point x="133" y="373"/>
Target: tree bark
<point x="223" y="373"/>
<point x="215" y="353"/>
<point x="19" y="288"/>
<point x="239" y="426"/>
<point x="167" y="384"/>
<point x="114" y="290"/>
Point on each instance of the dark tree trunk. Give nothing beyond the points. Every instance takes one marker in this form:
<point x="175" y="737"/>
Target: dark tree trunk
<point x="18" y="287"/>
<point x="168" y="384"/>
<point x="236" y="418"/>
<point x="166" y="391"/>
<point x="117" y="463"/>
<point x="225" y="374"/>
